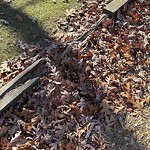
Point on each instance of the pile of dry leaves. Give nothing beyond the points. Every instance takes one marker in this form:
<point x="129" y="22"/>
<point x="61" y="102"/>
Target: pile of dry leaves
<point x="99" y="81"/>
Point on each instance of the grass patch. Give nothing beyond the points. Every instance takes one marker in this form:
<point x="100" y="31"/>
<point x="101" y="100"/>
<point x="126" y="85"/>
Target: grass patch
<point x="29" y="20"/>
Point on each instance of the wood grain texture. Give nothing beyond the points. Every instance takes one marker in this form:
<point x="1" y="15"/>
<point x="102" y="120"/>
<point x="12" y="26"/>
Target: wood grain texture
<point x="114" y="6"/>
<point x="21" y="78"/>
<point x="13" y="96"/>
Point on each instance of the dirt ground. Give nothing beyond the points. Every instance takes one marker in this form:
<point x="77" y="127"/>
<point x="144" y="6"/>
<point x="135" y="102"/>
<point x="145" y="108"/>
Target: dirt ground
<point x="135" y="134"/>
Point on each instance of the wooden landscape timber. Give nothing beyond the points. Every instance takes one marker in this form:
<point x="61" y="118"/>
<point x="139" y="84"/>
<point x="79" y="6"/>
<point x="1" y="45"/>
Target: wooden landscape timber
<point x="108" y="11"/>
<point x="21" y="78"/>
<point x="114" y="6"/>
<point x="13" y="96"/>
<point x="13" y="90"/>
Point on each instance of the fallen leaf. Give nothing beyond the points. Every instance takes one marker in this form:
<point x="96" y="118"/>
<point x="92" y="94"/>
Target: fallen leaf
<point x="19" y="18"/>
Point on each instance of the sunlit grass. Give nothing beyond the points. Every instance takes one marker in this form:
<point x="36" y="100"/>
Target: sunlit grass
<point x="43" y="11"/>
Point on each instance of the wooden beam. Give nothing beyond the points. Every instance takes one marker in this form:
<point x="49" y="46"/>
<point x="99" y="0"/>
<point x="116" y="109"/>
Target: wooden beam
<point x="114" y="6"/>
<point x="22" y="77"/>
<point x="13" y="96"/>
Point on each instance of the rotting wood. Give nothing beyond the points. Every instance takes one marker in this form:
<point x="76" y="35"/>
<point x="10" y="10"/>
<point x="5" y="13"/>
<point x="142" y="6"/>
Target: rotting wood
<point x="114" y="6"/>
<point x="13" y="96"/>
<point x="21" y="78"/>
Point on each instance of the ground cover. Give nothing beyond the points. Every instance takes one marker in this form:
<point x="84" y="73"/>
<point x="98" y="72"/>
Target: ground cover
<point x="97" y="97"/>
<point x="28" y="20"/>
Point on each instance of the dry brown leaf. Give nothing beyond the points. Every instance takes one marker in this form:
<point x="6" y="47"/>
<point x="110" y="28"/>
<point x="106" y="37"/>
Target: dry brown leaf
<point x="26" y="113"/>
<point x="112" y="77"/>
<point x="4" y="143"/>
<point x="70" y="146"/>
<point x="3" y="130"/>
<point x="127" y="87"/>
<point x="107" y="22"/>
<point x="34" y="121"/>
<point x="144" y="100"/>
<point x="19" y="18"/>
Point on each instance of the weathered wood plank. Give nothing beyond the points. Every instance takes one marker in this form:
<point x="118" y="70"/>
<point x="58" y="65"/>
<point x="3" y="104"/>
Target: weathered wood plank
<point x="113" y="6"/>
<point x="13" y="96"/>
<point x="21" y="78"/>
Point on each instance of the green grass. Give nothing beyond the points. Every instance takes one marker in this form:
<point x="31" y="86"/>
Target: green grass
<point x="43" y="11"/>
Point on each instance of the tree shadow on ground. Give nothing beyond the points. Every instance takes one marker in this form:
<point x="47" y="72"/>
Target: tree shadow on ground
<point x="21" y="23"/>
<point x="120" y="137"/>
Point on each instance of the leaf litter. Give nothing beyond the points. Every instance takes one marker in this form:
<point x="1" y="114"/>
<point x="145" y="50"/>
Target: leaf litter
<point x="78" y="102"/>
